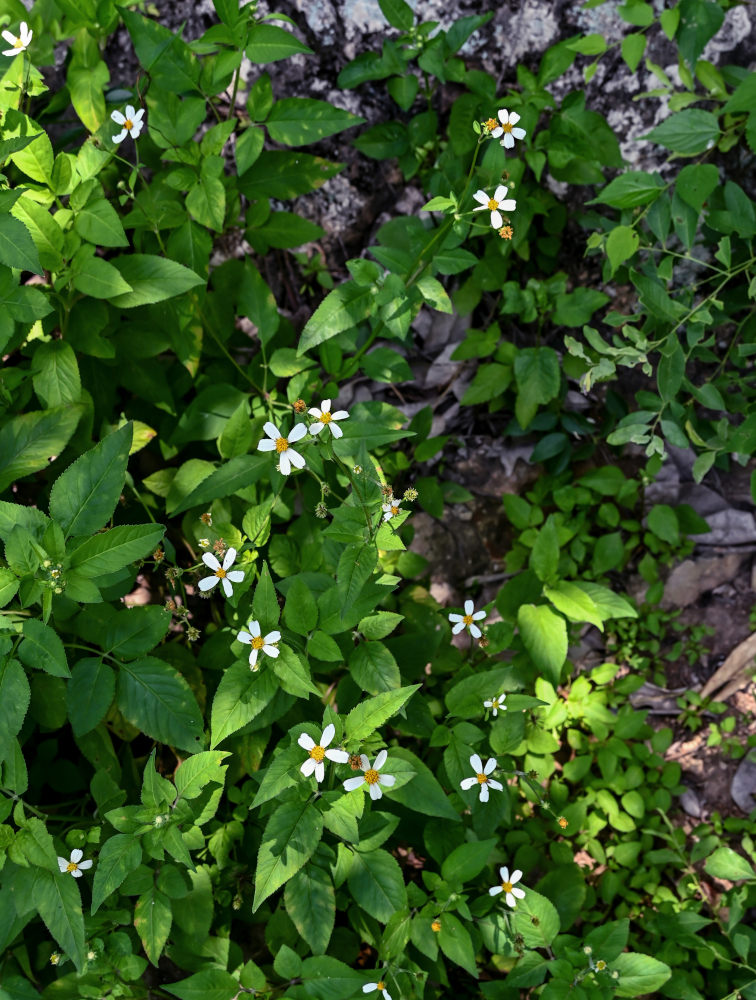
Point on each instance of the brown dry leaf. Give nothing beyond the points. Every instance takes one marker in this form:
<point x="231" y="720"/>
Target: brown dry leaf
<point x="732" y="674"/>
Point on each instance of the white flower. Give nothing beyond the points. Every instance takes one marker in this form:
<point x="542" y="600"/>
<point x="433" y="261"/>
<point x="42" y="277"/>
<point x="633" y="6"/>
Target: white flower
<point x="507" y="886"/>
<point x="496" y="704"/>
<point x="131" y="121"/>
<point x="287" y="456"/>
<point x="317" y="752"/>
<point x="467" y="620"/>
<point x="19" y="44"/>
<point x="255" y="639"/>
<point x="481" y="777"/>
<point x="221" y="572"/>
<point x="75" y="865"/>
<point x="371" y="776"/>
<point x="325" y="417"/>
<point x="499" y="201"/>
<point x="391" y="508"/>
<point x="380" y="986"/>
<point x="508" y="120"/>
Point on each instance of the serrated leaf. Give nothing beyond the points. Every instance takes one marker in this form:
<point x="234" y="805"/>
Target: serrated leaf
<point x="369" y="715"/>
<point x="310" y="902"/>
<point x="544" y="635"/>
<point x="377" y="884"/>
<point x="120" y="855"/>
<point x="154" y="697"/>
<point x="152" y="919"/>
<point x="290" y="838"/>
<point x="89" y="694"/>
<point x="58" y="902"/>
<point x="241" y="695"/>
<point x="199" y="770"/>
<point x="42" y="648"/>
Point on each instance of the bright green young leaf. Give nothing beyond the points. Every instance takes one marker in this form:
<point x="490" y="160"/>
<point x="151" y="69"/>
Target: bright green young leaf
<point x="621" y="244"/>
<point x="296" y="121"/>
<point x="372" y="713"/>
<point x="17" y="248"/>
<point x="574" y="603"/>
<point x="538" y="933"/>
<point x="151" y="279"/>
<point x="100" y="279"/>
<point x="398" y="14"/>
<point x="728" y="864"/>
<point x="99" y="223"/>
<point x="639" y="974"/>
<point x="545" y="637"/>
<point x="342" y="309"/>
<point x="455" y="942"/>
<point x="56" y="378"/>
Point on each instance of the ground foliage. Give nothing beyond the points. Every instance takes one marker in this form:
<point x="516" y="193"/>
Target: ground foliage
<point x="155" y="752"/>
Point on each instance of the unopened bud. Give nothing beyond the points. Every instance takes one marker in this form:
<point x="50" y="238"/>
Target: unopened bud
<point x="410" y="494"/>
<point x="299" y="405"/>
<point x="321" y="510"/>
<point x="54" y="958"/>
<point x="436" y="926"/>
<point x="192" y="633"/>
<point x="207" y="518"/>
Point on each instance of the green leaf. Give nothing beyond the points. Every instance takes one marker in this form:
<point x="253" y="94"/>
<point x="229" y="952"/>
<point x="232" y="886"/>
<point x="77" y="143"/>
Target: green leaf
<point x="41" y="648"/>
<point x="423" y="793"/>
<point x="35" y="160"/>
<point x="115" y="548"/>
<point x="17" y="248"/>
<point x="398" y="14"/>
<point x="467" y="861"/>
<point x="576" y="308"/>
<point x="621" y="244"/>
<point x="135" y="631"/>
<point x="743" y="97"/>
<point x="86" y="88"/>
<point x="58" y="902"/>
<point x="100" y="279"/>
<point x="154" y="697"/>
<point x="89" y="694"/>
<point x="8" y="585"/>
<point x="99" y="223"/>
<point x="671" y="371"/>
<point x="376" y="884"/>
<point x="152" y="919"/>
<point x="373" y="667"/>
<point x="544" y="556"/>
<point x="574" y="603"/>
<point x="45" y="231"/>
<point x="691" y="131"/>
<point x="662" y="520"/>
<point x="300" y="611"/>
<point x="209" y="984"/>
<point x="84" y="497"/>
<point x="222" y="482"/>
<point x="342" y="309"/>
<point x="119" y="856"/>
<point x="166" y="57"/>
<point x="294" y="673"/>
<point x="310" y="902"/>
<point x="278" y="174"/>
<point x="248" y="147"/>
<point x="455" y="942"/>
<point x="537" y="375"/>
<point x="726" y="863"/>
<point x="152" y="279"/>
<point x="241" y="696"/>
<point x="372" y="713"/>
<point x="537" y="919"/>
<point x="266" y="44"/>
<point x="56" y="374"/>
<point x="700" y="20"/>
<point x="695" y="183"/>
<point x="355" y="568"/>
<point x="199" y="770"/>
<point x="636" y="187"/>
<point x="633" y="47"/>
<point x="265" y="602"/>
<point x="608" y="604"/>
<point x="639" y="974"/>
<point x="296" y="121"/>
<point x="206" y="202"/>
<point x="544" y="635"/>
<point x="257" y="302"/>
<point x="15" y="695"/>
<point x="290" y="838"/>
<point x="29" y="441"/>
<point x="380" y="624"/>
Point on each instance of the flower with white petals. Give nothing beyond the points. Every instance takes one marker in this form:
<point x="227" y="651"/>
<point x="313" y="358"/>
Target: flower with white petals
<point x="75" y="865"/>
<point x="508" y="120"/>
<point x="511" y="893"/>
<point x="371" y="777"/>
<point x="496" y="705"/>
<point x="275" y="441"/>
<point x="224" y="573"/>
<point x="380" y="986"/>
<point x="492" y="205"/>
<point x="131" y="123"/>
<point x="259" y="643"/>
<point x="481" y="777"/>
<point x="324" y="418"/>
<point x="391" y="508"/>
<point x="317" y="752"/>
<point x="18" y="43"/>
<point x="467" y="620"/>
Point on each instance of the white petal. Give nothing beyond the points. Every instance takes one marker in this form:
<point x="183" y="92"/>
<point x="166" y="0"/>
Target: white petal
<point x="236" y="575"/>
<point x="325" y="406"/>
<point x="459" y="627"/>
<point x="254" y="627"/>
<point x="375" y="791"/>
<point x="496" y="785"/>
<point x="494" y="890"/>
<point x="117" y="116"/>
<point x="85" y="864"/>
<point x="319" y="771"/>
<point x="274" y="636"/>
<point x="316" y="428"/>
<point x="507" y="141"/>
<point x="475" y="632"/>
<point x="503" y="116"/>
<point x="121" y="136"/>
<point x="351" y="783"/>
<point x="229" y="559"/>
<point x="328" y="734"/>
<point x="253" y="654"/>
<point x="496" y="220"/>
<point x="509" y="205"/>
<point x="478" y="615"/>
<point x="76" y="873"/>
<point x="496" y="132"/>
<point x="386" y="995"/>
<point x="130" y="111"/>
<point x="284" y="462"/>
<point x="364" y="762"/>
<point x="386" y="779"/>
<point x="228" y="590"/>
<point x="337" y="433"/>
<point x="369" y="987"/>
<point x="337" y="756"/>
<point x="484" y="793"/>
<point x="305" y="741"/>
<point x="504" y="873"/>
<point x="516" y="876"/>
<point x="490" y="765"/>
<point x="469" y="607"/>
<point x="476" y="763"/>
<point x="495" y="713"/>
<point x="298" y="431"/>
<point x="209" y="560"/>
<point x="315" y="412"/>
<point x="62" y="863"/>
<point x="138" y="116"/>
<point x="272" y="431"/>
<point x="519" y="893"/>
<point x="501" y="193"/>
<point x="510" y="899"/>
<point x="208" y="582"/>
<point x="380" y="760"/>
<point x="295" y="458"/>
<point x="76" y="855"/>
<point x="481" y="196"/>
<point x="339" y="415"/>
<point x="513" y="118"/>
<point x="454" y="617"/>
<point x="266" y="444"/>
<point x="271" y="651"/>
<point x="308" y="767"/>
<point x="487" y="704"/>
<point x="519" y="133"/>
<point x="467" y="783"/>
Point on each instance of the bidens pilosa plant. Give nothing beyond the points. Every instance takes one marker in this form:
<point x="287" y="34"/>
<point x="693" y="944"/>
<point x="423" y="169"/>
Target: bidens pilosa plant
<point x="242" y="747"/>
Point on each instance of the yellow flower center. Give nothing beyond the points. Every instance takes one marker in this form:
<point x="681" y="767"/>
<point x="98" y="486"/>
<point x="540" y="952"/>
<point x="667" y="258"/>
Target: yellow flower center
<point x="72" y="866"/>
<point x="495" y="704"/>
<point x="371" y="776"/>
<point x="490" y="124"/>
<point x="482" y="779"/>
<point x="18" y="44"/>
<point x="258" y="642"/>
<point x="220" y="573"/>
<point x="281" y="445"/>
<point x="380" y="986"/>
<point x="492" y="204"/>
<point x="601" y="965"/>
<point x="436" y="926"/>
<point x="394" y="511"/>
<point x="317" y="753"/>
<point x="506" y="886"/>
<point x="325" y="418"/>
<point x="128" y="124"/>
<point x="507" y="127"/>
<point x="467" y="619"/>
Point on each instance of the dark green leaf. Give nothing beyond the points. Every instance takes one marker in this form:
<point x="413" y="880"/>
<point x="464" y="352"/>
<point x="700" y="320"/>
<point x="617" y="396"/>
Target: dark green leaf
<point x="155" y="698"/>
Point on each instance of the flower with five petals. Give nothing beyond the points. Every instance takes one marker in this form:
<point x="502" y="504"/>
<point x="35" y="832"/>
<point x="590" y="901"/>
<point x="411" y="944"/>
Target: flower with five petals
<point x="481" y="777"/>
<point x="224" y="573"/>
<point x="259" y="643"/>
<point x="380" y="986"/>
<point x="493" y="205"/>
<point x="507" y="886"/>
<point x="371" y="776"/>
<point x="75" y="865"/>
<point x="324" y="418"/>
<point x="508" y="120"/>
<point x="18" y="43"/>
<point x="467" y="620"/>
<point x="275" y="441"/>
<point x="131" y="122"/>
<point x="317" y="752"/>
<point x="496" y="705"/>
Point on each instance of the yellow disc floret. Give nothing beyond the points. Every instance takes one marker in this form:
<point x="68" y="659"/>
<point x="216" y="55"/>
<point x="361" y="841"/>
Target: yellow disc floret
<point x="371" y="776"/>
<point x="281" y="445"/>
<point x="325" y="418"/>
<point x="492" y="204"/>
<point x="506" y="886"/>
<point x="507" y="127"/>
<point x="72" y="866"/>
<point x="482" y="779"/>
<point x="317" y="753"/>
<point x="258" y="642"/>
